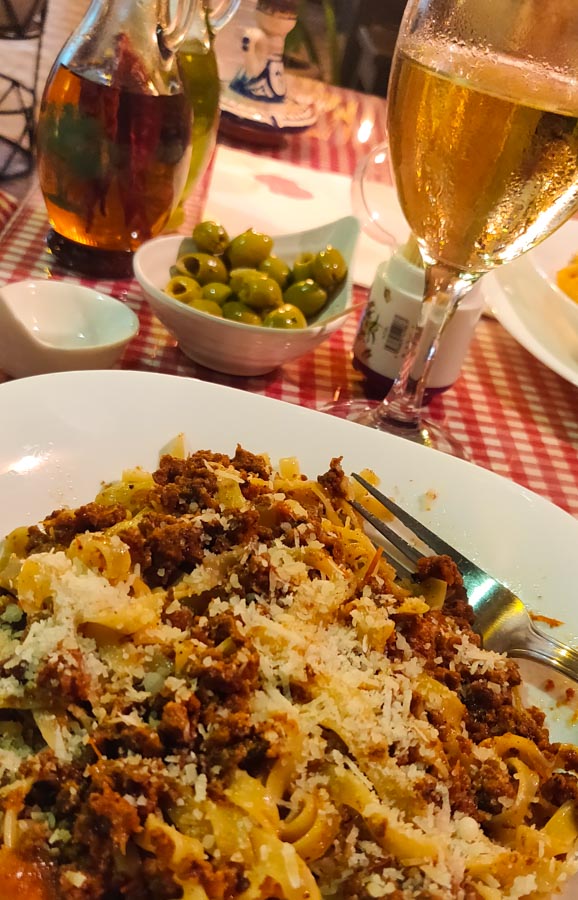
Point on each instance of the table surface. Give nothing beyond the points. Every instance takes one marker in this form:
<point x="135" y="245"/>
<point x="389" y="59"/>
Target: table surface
<point x="514" y="415"/>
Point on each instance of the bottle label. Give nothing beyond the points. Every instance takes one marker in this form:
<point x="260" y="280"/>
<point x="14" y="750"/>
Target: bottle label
<point x="395" y="335"/>
<point x="388" y="323"/>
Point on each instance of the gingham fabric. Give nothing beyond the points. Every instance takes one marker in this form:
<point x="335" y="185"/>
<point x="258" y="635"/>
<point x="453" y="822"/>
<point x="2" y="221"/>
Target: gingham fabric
<point x="8" y="206"/>
<point x="513" y="415"/>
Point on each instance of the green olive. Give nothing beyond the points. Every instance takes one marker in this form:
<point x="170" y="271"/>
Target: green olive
<point x="207" y="306"/>
<point x="328" y="268"/>
<point x="211" y="237"/>
<point x="183" y="288"/>
<point x="240" y="312"/>
<point x="260" y="293"/>
<point x="249" y="249"/>
<point x="285" y="316"/>
<point x="307" y="296"/>
<point x="276" y="269"/>
<point x="238" y="277"/>
<point x="216" y="291"/>
<point x="203" y="267"/>
<point x="302" y="266"/>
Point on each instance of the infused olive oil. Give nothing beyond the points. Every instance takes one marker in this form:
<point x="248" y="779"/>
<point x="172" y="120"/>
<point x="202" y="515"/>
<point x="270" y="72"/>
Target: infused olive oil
<point x="200" y="77"/>
<point x="111" y="163"/>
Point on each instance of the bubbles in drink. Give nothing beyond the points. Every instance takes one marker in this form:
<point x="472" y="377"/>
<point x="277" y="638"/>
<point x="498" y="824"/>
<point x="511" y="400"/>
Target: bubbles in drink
<point x="485" y="152"/>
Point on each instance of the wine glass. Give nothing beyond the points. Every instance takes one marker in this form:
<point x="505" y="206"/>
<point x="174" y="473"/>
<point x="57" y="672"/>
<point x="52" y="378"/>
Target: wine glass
<point x="483" y="141"/>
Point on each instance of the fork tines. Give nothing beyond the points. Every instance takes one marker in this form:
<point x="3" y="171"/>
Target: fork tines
<point x="432" y="543"/>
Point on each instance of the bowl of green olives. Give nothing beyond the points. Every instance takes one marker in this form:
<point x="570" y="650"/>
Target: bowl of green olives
<point x="246" y="304"/>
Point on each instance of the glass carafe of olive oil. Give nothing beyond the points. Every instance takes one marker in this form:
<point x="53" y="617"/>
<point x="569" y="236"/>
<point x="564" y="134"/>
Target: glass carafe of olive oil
<point x="114" y="133"/>
<point x="200" y="76"/>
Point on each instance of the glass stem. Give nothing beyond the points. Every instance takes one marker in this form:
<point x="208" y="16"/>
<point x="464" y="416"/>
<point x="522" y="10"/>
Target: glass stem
<point x="444" y="288"/>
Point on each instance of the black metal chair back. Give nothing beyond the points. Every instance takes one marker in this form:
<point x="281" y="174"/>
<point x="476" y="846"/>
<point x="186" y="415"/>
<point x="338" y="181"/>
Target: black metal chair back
<point x="19" y="20"/>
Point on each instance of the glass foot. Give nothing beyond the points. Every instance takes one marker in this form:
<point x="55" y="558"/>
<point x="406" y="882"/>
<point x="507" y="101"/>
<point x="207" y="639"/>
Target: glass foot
<point x="426" y="433"/>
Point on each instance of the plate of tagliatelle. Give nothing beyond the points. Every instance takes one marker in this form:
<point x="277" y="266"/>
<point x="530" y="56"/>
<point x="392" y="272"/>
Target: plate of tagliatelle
<point x="536" y="299"/>
<point x="213" y="686"/>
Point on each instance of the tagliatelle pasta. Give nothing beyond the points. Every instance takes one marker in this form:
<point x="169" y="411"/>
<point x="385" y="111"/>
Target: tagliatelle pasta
<point x="213" y="687"/>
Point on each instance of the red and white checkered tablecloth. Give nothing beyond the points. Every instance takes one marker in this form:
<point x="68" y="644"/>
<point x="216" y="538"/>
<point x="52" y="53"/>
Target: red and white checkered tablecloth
<point x="513" y="414"/>
<point x="8" y="206"/>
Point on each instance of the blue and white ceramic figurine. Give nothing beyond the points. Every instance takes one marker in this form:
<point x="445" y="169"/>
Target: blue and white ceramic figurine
<point x="257" y="94"/>
<point x="262" y="76"/>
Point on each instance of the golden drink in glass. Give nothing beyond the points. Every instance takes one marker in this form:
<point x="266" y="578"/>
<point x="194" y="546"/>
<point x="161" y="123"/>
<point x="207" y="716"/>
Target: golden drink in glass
<point x="485" y="154"/>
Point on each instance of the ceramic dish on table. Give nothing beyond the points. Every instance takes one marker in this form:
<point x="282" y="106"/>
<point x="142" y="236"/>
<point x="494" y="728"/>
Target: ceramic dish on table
<point x="60" y="456"/>
<point x="526" y="300"/>
<point x="233" y="347"/>
<point x="56" y="326"/>
<point x="270" y="121"/>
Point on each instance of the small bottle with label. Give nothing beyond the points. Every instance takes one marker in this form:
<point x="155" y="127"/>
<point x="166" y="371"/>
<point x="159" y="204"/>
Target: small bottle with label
<point x="390" y="317"/>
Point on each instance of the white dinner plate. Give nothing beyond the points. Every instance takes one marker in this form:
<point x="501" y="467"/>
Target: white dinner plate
<point x="526" y="302"/>
<point x="62" y="434"/>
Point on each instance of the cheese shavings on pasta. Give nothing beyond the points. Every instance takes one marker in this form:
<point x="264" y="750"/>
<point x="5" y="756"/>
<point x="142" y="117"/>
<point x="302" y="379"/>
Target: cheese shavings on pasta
<point x="212" y="687"/>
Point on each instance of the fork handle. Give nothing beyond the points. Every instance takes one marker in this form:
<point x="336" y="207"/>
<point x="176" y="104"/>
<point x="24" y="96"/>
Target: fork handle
<point x="547" y="650"/>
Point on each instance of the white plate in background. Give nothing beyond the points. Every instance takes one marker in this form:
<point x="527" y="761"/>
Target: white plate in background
<point x="524" y="297"/>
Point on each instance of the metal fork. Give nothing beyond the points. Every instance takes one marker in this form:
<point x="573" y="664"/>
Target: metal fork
<point x="501" y="619"/>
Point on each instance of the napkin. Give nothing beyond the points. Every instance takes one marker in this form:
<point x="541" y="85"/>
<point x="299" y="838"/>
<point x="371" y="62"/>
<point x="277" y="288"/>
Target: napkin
<point x="252" y="191"/>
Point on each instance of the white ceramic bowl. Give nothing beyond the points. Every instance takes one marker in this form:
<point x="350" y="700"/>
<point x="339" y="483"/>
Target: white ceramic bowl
<point x="56" y="326"/>
<point x="232" y="347"/>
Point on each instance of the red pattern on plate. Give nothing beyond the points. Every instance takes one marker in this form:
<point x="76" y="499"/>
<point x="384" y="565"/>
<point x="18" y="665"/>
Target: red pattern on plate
<point x="514" y="415"/>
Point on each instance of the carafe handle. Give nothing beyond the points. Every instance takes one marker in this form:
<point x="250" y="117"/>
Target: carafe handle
<point x="222" y="13"/>
<point x="172" y="33"/>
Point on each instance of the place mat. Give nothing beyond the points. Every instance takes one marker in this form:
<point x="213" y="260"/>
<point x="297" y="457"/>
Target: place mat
<point x="278" y="197"/>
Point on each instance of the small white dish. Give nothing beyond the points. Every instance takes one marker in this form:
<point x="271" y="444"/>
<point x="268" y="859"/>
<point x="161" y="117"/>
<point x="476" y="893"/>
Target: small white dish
<point x="56" y="326"/>
<point x="525" y="299"/>
<point x="233" y="347"/>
